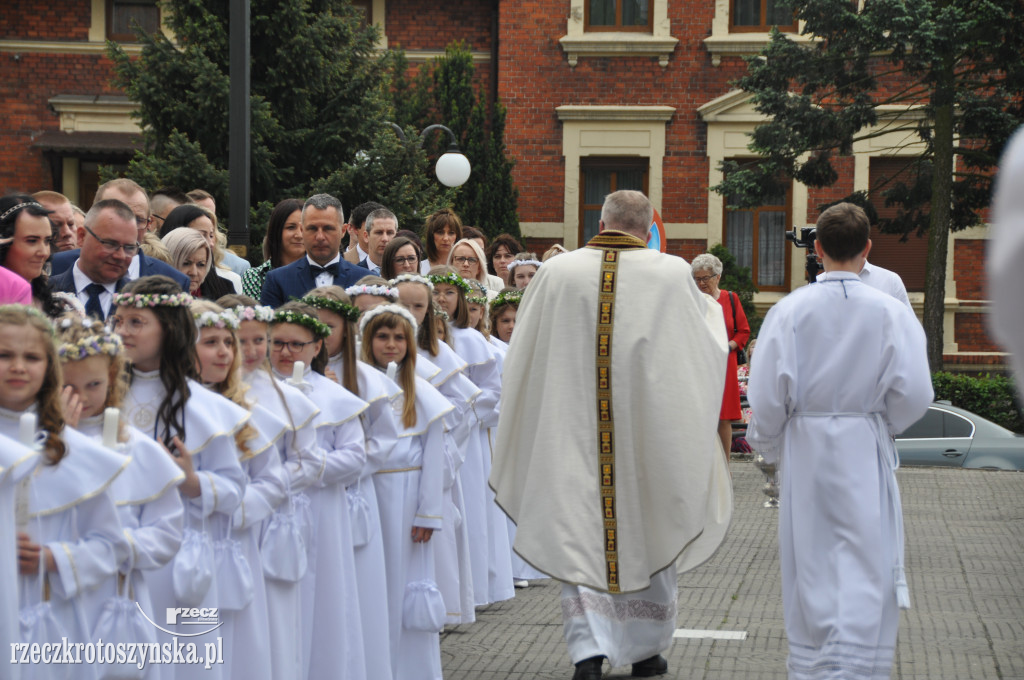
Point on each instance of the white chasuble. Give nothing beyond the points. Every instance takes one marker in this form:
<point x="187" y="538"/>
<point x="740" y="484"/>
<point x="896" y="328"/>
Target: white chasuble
<point x="607" y="454"/>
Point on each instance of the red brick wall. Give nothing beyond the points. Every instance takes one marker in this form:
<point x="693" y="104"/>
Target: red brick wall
<point x="51" y="20"/>
<point x="686" y="248"/>
<point x="417" y="25"/>
<point x="535" y="77"/>
<point x="971" y="333"/>
<point x="969" y="269"/>
<point x="26" y="84"/>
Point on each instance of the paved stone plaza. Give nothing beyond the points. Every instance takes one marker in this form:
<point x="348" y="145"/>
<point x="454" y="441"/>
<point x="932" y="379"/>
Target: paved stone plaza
<point x="965" y="565"/>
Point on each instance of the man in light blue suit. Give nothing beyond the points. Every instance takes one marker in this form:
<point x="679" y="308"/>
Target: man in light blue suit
<point x="322" y="220"/>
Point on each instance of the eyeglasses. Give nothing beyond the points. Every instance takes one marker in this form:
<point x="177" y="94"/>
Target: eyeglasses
<point x="465" y="260"/>
<point x="411" y="259"/>
<point x="294" y="346"/>
<point x="133" y="325"/>
<point x="704" y="279"/>
<point x="143" y="222"/>
<point x="111" y="247"/>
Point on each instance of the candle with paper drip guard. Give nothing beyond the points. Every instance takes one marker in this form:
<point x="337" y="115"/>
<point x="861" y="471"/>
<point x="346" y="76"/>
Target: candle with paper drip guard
<point x="27" y="429"/>
<point x="27" y="436"/>
<point x="392" y="370"/>
<point x="298" y="369"/>
<point x="111" y="424"/>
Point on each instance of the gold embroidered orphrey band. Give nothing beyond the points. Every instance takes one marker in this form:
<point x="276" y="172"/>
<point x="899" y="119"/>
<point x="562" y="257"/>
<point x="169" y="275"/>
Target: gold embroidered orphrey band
<point x="610" y="243"/>
<point x="605" y="422"/>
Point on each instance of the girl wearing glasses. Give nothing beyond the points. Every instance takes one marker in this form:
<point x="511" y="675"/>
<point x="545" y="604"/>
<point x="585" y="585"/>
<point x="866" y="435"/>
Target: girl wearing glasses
<point x="332" y="644"/>
<point x="201" y="430"/>
<point x="283" y="555"/>
<point x="334" y="308"/>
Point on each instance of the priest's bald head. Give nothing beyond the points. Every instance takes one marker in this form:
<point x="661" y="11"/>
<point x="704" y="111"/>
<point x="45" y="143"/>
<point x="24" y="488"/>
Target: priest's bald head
<point x="629" y="211"/>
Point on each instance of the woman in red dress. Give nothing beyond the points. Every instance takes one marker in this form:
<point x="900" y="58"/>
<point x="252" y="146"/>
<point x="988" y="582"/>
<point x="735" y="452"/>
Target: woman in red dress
<point x="707" y="271"/>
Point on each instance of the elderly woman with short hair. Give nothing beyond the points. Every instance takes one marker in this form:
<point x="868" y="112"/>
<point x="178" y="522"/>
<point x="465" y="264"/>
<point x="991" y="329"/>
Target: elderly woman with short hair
<point x="707" y="272"/>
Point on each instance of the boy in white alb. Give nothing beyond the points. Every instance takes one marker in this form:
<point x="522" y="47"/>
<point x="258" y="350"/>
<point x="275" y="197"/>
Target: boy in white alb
<point x="840" y="369"/>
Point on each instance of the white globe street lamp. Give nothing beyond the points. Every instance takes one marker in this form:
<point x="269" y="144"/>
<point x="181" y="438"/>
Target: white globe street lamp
<point x="452" y="168"/>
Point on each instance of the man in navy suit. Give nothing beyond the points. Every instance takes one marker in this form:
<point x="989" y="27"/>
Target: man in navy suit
<point x="135" y="197"/>
<point x="108" y="246"/>
<point x="322" y="219"/>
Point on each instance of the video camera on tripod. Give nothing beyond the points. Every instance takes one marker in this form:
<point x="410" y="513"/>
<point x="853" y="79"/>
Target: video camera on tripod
<point x="806" y="240"/>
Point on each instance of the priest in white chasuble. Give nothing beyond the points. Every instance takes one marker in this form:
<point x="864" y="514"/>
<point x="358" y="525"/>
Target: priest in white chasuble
<point x="607" y="456"/>
<point x="840" y="367"/>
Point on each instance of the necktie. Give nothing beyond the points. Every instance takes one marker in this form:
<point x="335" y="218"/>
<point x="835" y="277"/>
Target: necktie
<point x="92" y="305"/>
<point x="331" y="269"/>
<point x="375" y="269"/>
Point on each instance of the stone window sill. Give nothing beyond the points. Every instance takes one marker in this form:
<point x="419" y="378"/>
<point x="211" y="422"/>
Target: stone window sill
<point x="615" y="44"/>
<point x="741" y="44"/>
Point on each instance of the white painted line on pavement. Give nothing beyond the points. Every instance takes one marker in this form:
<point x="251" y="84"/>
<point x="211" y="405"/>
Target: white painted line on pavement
<point x="710" y="634"/>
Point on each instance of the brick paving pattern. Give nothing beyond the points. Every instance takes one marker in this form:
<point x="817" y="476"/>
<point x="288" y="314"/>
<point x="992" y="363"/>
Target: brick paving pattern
<point x="965" y="564"/>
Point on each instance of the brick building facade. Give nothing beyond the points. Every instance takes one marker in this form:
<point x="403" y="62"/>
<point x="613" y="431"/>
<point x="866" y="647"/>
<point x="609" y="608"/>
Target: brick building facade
<point x="600" y="95"/>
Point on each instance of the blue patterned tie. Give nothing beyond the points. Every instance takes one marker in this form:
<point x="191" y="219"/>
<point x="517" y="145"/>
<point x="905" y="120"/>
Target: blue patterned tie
<point x="92" y="305"/>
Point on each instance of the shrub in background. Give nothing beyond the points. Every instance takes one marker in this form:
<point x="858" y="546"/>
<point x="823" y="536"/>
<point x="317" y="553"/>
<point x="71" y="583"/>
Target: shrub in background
<point x="990" y="396"/>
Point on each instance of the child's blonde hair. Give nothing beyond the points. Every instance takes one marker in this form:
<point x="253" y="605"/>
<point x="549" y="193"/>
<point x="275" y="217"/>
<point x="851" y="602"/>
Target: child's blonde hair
<point x="82" y="337"/>
<point x="50" y="410"/>
<point x="231" y="387"/>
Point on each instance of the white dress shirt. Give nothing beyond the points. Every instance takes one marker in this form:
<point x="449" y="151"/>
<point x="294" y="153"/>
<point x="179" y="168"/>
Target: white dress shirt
<point x="324" y="278"/>
<point x="888" y="282"/>
<point x="82" y="281"/>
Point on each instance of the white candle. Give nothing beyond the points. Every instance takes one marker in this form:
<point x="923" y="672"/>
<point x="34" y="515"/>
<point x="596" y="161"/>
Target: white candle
<point x="392" y="370"/>
<point x="27" y="429"/>
<point x="111" y="423"/>
<point x="297" y="370"/>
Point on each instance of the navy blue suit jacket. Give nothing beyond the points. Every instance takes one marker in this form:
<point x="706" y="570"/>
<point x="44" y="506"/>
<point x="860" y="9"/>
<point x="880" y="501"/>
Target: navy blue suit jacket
<point x="148" y="266"/>
<point x="65" y="283"/>
<point x="297" y="279"/>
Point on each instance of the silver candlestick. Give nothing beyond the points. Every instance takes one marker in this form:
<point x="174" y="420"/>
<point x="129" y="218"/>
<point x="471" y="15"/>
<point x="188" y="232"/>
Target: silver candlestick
<point x="771" y="475"/>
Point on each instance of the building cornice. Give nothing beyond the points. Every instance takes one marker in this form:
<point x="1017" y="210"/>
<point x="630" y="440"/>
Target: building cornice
<point x="624" y="113"/>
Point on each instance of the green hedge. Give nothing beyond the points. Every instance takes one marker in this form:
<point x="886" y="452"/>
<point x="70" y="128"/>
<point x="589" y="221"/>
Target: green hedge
<point x="990" y="396"/>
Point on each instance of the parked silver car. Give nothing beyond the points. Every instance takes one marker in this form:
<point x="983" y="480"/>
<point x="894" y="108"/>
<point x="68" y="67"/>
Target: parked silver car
<point x="953" y="437"/>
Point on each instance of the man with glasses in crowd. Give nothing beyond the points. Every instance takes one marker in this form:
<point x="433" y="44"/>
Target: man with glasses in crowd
<point x="108" y="245"/>
<point x="135" y="198"/>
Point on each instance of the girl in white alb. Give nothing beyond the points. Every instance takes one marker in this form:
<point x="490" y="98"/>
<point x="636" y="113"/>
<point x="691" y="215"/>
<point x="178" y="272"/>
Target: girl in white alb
<point x="146" y="493"/>
<point x="453" y="553"/>
<point x="246" y="630"/>
<point x="332" y="636"/>
<point x="410" y="492"/>
<point x="166" y="402"/>
<point x="69" y="537"/>
<point x="285" y="536"/>
<point x="381" y="430"/>
<point x="487" y="523"/>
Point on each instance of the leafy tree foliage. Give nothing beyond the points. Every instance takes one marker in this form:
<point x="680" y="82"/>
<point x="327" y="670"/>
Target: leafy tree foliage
<point x="946" y="74"/>
<point x="318" y="107"/>
<point x="443" y="92"/>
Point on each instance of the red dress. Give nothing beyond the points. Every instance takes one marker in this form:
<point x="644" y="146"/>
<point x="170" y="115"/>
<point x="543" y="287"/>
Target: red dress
<point x="741" y="334"/>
